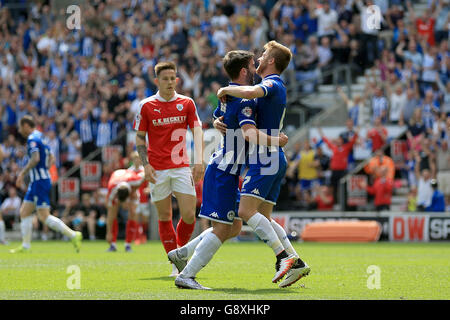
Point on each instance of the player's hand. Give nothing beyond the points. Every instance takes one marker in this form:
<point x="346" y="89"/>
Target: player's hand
<point x="19" y="181"/>
<point x="221" y="93"/>
<point x="283" y="139"/>
<point x="220" y="125"/>
<point x="150" y="174"/>
<point x="197" y="172"/>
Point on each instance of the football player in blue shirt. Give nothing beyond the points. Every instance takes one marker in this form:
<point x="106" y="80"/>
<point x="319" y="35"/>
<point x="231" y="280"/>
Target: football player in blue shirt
<point x="267" y="166"/>
<point x="221" y="181"/>
<point x="38" y="193"/>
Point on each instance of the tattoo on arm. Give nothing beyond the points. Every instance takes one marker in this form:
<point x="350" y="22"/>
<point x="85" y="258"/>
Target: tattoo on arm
<point x="142" y="151"/>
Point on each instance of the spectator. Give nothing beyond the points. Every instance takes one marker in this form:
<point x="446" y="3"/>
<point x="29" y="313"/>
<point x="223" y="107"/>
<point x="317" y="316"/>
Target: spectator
<point x="380" y="160"/>
<point x="424" y="189"/>
<point x="323" y="201"/>
<point x="397" y="104"/>
<point x="339" y="159"/>
<point x="85" y="126"/>
<point x="307" y="165"/>
<point x="381" y="189"/>
<point x="354" y="106"/>
<point x="443" y="168"/>
<point x="416" y="130"/>
<point x="378" y="135"/>
<point x="326" y="20"/>
<point x="9" y="211"/>
<point x="437" y="199"/>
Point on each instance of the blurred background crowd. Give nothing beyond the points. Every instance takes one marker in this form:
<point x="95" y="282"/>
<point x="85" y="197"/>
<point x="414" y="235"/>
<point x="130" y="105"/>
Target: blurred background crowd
<point x="83" y="87"/>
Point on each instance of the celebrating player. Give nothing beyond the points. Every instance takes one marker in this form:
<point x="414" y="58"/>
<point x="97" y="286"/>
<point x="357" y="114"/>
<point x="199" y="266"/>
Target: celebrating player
<point x="122" y="192"/>
<point x="164" y="118"/>
<point x="221" y="180"/>
<point x="267" y="167"/>
<point x="38" y="193"/>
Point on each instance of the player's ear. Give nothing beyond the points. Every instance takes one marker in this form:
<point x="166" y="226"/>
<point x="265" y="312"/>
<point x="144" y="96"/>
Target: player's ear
<point x="177" y="80"/>
<point x="156" y="81"/>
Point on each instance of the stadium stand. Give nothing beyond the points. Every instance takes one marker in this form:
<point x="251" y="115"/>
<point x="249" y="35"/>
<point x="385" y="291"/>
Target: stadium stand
<point x="83" y="87"/>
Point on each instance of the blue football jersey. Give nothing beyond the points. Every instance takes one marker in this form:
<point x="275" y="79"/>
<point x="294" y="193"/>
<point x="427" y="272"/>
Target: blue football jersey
<point x="234" y="152"/>
<point x="35" y="144"/>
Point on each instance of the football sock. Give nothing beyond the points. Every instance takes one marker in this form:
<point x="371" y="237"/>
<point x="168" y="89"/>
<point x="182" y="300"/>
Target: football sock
<point x="58" y="225"/>
<point x="115" y="231"/>
<point x="167" y="235"/>
<point x="204" y="252"/>
<point x="184" y="232"/>
<point x="2" y="231"/>
<point x="130" y="231"/>
<point x="281" y="233"/>
<point x="188" y="249"/>
<point x="263" y="228"/>
<point x="26" y="228"/>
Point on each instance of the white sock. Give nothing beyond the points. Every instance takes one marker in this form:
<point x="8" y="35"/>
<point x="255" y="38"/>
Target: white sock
<point x="2" y="231"/>
<point x="281" y="233"/>
<point x="26" y="228"/>
<point x="263" y="228"/>
<point x="58" y="225"/>
<point x="204" y="252"/>
<point x="188" y="249"/>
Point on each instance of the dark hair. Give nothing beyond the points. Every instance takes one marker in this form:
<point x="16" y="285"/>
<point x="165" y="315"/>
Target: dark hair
<point x="235" y="60"/>
<point x="27" y="119"/>
<point x="122" y="194"/>
<point x="161" y="66"/>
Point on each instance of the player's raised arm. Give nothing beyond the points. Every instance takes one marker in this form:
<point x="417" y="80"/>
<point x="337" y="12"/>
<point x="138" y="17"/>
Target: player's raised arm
<point x="141" y="147"/>
<point x="243" y="92"/>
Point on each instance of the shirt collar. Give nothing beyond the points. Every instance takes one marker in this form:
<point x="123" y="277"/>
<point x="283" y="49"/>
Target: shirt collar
<point x="158" y="97"/>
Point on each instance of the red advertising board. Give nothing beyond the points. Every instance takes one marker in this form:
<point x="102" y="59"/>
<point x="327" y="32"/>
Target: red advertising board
<point x="68" y="190"/>
<point x="356" y="194"/>
<point x="91" y="173"/>
<point x="409" y="227"/>
<point x="108" y="153"/>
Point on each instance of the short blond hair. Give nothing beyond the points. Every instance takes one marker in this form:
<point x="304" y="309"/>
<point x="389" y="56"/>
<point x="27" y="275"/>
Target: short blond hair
<point x="280" y="53"/>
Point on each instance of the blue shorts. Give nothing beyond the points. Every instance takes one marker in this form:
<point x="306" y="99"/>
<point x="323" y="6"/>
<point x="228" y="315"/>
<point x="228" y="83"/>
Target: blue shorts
<point x="220" y="193"/>
<point x="39" y="193"/>
<point x="306" y="184"/>
<point x="264" y="186"/>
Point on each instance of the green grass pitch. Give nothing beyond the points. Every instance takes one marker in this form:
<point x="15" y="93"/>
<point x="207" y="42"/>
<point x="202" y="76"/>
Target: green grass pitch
<point x="239" y="271"/>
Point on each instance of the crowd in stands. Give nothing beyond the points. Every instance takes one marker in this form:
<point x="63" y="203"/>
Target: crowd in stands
<point x="83" y="86"/>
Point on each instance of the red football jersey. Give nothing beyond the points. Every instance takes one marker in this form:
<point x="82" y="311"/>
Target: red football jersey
<point x="129" y="176"/>
<point x="166" y="123"/>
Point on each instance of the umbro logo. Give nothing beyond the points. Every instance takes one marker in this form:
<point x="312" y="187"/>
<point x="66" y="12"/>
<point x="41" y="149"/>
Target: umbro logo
<point x="214" y="215"/>
<point x="157" y="110"/>
<point x="255" y="191"/>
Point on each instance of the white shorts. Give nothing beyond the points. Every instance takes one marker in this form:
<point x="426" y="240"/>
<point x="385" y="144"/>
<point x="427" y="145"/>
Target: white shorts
<point x="172" y="180"/>
<point x="143" y="208"/>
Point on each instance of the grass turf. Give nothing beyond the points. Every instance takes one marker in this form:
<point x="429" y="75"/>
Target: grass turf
<point x="239" y="271"/>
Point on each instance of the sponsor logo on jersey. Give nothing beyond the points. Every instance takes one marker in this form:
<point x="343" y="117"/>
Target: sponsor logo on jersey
<point x="169" y="120"/>
<point x="230" y="215"/>
<point x="255" y="191"/>
<point x="33" y="144"/>
<point x="214" y="215"/>
<point x="180" y="107"/>
<point x="247" y="111"/>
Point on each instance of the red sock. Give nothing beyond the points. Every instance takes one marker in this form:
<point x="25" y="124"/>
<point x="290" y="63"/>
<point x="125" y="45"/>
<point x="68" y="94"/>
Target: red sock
<point x="167" y="235"/>
<point x="184" y="232"/>
<point x="131" y="229"/>
<point x="115" y="230"/>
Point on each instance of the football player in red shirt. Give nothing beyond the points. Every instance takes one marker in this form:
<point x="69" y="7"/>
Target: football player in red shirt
<point x="164" y="118"/>
<point x="122" y="192"/>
